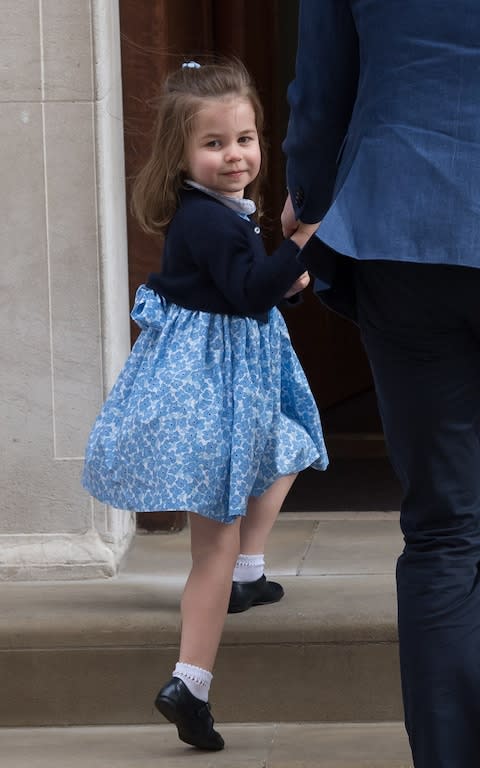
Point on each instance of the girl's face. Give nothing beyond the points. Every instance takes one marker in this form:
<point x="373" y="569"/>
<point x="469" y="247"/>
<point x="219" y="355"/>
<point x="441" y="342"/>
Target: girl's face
<point x="223" y="152"/>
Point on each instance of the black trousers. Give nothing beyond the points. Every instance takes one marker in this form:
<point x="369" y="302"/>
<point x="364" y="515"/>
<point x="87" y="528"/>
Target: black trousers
<point x="421" y="328"/>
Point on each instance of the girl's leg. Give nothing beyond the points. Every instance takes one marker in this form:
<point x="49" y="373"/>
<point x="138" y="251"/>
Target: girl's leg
<point x="262" y="512"/>
<point x="249" y="584"/>
<point x="183" y="700"/>
<point x="214" y="548"/>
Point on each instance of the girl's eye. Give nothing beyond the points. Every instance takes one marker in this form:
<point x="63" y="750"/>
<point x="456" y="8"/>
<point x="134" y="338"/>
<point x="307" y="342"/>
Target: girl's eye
<point x="244" y="139"/>
<point x="213" y="143"/>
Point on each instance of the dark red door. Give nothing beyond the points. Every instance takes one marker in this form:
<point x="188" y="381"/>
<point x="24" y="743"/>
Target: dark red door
<point x="157" y="35"/>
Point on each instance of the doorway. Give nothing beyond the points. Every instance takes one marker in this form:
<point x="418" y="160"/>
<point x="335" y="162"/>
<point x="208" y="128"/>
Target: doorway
<point x="158" y="35"/>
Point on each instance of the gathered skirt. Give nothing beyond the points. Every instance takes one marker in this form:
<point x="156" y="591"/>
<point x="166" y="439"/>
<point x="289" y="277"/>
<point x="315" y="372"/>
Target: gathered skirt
<point x="208" y="410"/>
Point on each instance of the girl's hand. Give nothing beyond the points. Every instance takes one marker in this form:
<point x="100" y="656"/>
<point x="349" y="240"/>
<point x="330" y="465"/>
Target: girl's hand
<point x="303" y="233"/>
<point x="288" y="219"/>
<point x="296" y="230"/>
<point x="299" y="284"/>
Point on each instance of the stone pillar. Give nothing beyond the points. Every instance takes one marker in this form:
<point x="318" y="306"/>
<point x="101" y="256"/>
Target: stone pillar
<point x="64" y="330"/>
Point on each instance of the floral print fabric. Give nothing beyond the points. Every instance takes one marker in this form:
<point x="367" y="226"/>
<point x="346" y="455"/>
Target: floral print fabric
<point x="208" y="410"/>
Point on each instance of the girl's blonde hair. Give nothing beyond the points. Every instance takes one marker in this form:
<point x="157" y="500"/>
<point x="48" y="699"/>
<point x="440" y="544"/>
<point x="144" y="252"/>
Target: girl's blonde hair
<point x="156" y="187"/>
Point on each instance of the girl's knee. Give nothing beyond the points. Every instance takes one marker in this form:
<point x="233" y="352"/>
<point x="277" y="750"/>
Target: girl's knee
<point x="214" y="539"/>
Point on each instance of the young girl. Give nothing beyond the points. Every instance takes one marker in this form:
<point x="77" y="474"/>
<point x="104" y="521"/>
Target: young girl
<point x="212" y="412"/>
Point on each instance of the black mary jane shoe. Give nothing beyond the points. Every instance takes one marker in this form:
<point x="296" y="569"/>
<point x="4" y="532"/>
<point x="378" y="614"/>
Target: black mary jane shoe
<point x="191" y="716"/>
<point x="244" y="594"/>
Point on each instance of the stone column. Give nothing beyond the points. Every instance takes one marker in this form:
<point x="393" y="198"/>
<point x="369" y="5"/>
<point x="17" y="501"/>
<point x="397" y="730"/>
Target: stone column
<point x="64" y="330"/>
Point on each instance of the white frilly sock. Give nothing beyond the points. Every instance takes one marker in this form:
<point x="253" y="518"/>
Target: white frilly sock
<point x="249" y="567"/>
<point x="196" y="679"/>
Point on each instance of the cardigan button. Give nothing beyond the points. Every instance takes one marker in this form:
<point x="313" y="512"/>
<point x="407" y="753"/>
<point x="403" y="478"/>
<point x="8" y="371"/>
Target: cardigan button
<point x="299" y="196"/>
<point x="257" y="230"/>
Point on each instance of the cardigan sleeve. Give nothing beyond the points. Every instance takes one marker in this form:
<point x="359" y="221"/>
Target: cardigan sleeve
<point x="234" y="255"/>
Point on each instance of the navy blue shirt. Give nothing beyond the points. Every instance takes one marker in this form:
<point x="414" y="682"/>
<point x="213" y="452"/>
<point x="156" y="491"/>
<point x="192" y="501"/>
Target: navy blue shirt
<point x="214" y="261"/>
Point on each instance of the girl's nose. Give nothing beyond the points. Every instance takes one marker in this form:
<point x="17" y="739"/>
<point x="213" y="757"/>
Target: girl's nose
<point x="233" y="153"/>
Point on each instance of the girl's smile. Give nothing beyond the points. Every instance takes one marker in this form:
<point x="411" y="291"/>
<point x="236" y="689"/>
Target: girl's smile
<point x="223" y="153"/>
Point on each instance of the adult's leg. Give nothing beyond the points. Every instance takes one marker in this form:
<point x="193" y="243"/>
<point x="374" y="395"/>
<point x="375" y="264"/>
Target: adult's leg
<point x="421" y="329"/>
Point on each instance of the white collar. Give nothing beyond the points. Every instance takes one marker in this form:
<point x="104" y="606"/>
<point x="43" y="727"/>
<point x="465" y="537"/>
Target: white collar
<point x="240" y="205"/>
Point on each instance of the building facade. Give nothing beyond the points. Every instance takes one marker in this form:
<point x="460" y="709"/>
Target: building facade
<point x="76" y="82"/>
<point x="64" y="281"/>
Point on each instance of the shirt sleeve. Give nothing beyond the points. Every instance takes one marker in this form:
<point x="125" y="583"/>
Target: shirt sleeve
<point x="321" y="99"/>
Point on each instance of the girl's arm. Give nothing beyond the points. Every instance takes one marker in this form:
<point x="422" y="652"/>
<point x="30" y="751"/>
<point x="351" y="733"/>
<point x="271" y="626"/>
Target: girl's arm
<point x="235" y="257"/>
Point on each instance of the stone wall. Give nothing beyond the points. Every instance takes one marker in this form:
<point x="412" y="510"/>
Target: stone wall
<point x="64" y="329"/>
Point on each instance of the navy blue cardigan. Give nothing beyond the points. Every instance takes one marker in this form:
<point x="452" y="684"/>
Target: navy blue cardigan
<point x="215" y="261"/>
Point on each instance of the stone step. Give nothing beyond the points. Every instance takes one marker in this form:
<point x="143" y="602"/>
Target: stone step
<point x="252" y="745"/>
<point x="95" y="652"/>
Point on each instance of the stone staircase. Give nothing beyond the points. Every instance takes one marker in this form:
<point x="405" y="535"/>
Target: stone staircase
<point x="311" y="681"/>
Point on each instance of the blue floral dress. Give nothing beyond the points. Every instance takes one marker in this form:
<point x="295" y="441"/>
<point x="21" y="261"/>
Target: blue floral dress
<point x="208" y="410"/>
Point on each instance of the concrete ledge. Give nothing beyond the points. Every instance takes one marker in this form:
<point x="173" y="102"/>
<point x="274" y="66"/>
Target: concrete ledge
<point x="95" y="652"/>
<point x="115" y="614"/>
<point x="260" y="745"/>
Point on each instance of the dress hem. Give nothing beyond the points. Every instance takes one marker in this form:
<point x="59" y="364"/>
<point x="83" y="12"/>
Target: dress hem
<point x="225" y="519"/>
